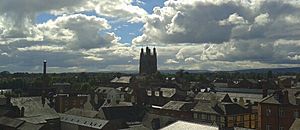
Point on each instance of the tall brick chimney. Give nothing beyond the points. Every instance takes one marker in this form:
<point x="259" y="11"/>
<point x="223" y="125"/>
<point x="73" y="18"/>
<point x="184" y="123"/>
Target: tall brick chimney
<point x="45" y="67"/>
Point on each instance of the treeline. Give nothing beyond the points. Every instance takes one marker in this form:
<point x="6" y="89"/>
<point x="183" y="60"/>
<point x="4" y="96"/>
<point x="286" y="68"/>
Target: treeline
<point x="77" y="80"/>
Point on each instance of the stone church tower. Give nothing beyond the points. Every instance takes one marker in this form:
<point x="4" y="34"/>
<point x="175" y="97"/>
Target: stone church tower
<point x="148" y="62"/>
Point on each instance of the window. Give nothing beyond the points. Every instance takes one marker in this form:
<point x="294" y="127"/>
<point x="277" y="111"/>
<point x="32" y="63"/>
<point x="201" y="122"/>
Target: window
<point x="222" y="119"/>
<point x="240" y="118"/>
<point x="230" y="119"/>
<point x="268" y="127"/>
<point x="281" y="112"/>
<point x="195" y="116"/>
<point x="281" y="128"/>
<point x="203" y="116"/>
<point x="208" y="117"/>
<point x="296" y="114"/>
<point x="246" y="117"/>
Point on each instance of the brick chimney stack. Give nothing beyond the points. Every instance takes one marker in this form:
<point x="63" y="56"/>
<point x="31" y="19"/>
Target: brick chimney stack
<point x="45" y="67"/>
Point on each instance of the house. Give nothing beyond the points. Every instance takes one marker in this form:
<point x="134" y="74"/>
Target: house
<point x="128" y="93"/>
<point x="155" y="121"/>
<point x="33" y="111"/>
<point x="184" y="125"/>
<point x="161" y="96"/>
<point x="65" y="102"/>
<point x="240" y="98"/>
<point x="5" y="91"/>
<point x="176" y="109"/>
<point x="224" y="113"/>
<point x="7" y="123"/>
<point x="273" y="109"/>
<point x="110" y="94"/>
<point x="123" y="111"/>
<point x="287" y="81"/>
<point x="123" y="81"/>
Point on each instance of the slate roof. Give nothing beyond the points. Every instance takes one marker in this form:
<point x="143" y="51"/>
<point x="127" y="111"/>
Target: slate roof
<point x="183" y="125"/>
<point x="82" y="112"/>
<point x="123" y="79"/>
<point x="120" y="104"/>
<point x="205" y="107"/>
<point x="10" y="122"/>
<point x="293" y="94"/>
<point x="29" y="126"/>
<point x="39" y="119"/>
<point x="225" y="107"/>
<point x="168" y="92"/>
<point x="104" y="90"/>
<point x="83" y="121"/>
<point x="174" y="105"/>
<point x="241" y="90"/>
<point x="296" y="125"/>
<point x="207" y="96"/>
<point x="246" y="96"/>
<point x="34" y="112"/>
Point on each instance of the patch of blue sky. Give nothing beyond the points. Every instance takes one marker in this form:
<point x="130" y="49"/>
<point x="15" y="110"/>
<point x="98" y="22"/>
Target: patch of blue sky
<point x="148" y="5"/>
<point x="44" y="17"/>
<point x="127" y="31"/>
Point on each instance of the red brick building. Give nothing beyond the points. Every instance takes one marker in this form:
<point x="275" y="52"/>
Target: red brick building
<point x="278" y="111"/>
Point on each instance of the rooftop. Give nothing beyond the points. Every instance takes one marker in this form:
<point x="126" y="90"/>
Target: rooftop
<point x="10" y="122"/>
<point x="83" y="121"/>
<point x="82" y="112"/>
<point x="123" y="79"/>
<point x="34" y="112"/>
<point x="174" y="105"/>
<point x="296" y="125"/>
<point x="183" y="125"/>
<point x="30" y="126"/>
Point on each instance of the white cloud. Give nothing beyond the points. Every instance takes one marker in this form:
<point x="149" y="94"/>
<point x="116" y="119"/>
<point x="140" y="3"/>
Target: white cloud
<point x="233" y="19"/>
<point x="188" y="34"/>
<point x="262" y="19"/>
<point x="171" y="61"/>
<point x="42" y="48"/>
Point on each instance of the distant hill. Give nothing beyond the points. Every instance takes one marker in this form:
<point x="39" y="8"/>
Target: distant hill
<point x="274" y="70"/>
<point x="262" y="70"/>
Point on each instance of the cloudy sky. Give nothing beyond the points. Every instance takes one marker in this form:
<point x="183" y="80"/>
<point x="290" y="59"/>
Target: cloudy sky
<point x="106" y="35"/>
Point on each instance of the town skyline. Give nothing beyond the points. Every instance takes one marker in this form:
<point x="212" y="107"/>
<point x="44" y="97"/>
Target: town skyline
<point x="94" y="36"/>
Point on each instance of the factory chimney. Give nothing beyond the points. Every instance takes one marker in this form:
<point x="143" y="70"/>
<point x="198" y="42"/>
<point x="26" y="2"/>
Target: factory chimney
<point x="45" y="67"/>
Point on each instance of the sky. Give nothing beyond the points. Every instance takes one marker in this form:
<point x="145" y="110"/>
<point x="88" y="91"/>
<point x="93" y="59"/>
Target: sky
<point x="106" y="35"/>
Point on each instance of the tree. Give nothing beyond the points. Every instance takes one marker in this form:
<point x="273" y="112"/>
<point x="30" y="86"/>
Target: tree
<point x="270" y="74"/>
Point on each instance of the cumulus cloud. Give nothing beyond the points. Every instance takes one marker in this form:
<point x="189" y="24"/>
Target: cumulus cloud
<point x="188" y="34"/>
<point x="67" y="41"/>
<point x="232" y="31"/>
<point x="233" y="19"/>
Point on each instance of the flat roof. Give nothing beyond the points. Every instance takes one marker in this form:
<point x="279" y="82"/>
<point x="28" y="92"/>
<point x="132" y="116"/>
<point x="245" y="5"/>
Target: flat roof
<point x="183" y="125"/>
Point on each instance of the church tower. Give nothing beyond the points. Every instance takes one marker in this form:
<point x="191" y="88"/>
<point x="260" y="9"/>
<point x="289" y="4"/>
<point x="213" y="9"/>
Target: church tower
<point x="148" y="62"/>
